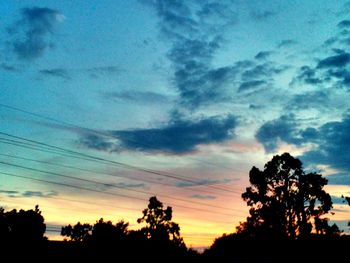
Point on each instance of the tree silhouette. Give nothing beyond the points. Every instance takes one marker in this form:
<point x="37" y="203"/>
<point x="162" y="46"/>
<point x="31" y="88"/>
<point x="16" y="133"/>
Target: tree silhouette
<point x="159" y="226"/>
<point x="23" y="226"/>
<point x="78" y="232"/>
<point x="347" y="199"/>
<point x="284" y="200"/>
<point x="102" y="232"/>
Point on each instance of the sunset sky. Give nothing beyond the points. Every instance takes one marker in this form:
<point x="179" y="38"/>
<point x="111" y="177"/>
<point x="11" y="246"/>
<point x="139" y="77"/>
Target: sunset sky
<point x="106" y="103"/>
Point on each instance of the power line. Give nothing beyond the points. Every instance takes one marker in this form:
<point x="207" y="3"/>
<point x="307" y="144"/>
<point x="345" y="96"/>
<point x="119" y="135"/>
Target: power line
<point x="112" y="185"/>
<point x="176" y="177"/>
<point x="104" y="192"/>
<point x="37" y="115"/>
<point x="98" y="172"/>
<point x="109" y="207"/>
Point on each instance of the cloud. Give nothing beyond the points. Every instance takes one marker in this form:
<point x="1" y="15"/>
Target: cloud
<point x="249" y="85"/>
<point x="137" y="96"/>
<point x="329" y="70"/>
<point x="337" y="61"/>
<point x="203" y="197"/>
<point x="307" y="75"/>
<point x="202" y="182"/>
<point x="282" y="129"/>
<point x="313" y="99"/>
<point x="39" y="194"/>
<point x="195" y="32"/>
<point x="30" y="36"/>
<point x="96" y="72"/>
<point x="97" y="142"/>
<point x="266" y="70"/>
<point x="262" y="15"/>
<point x="56" y="72"/>
<point x="9" y="68"/>
<point x="177" y="137"/>
<point x="68" y="73"/>
<point x="344" y="24"/>
<point x="130" y="185"/>
<point x="332" y="141"/>
<point x="10" y="193"/>
<point x="262" y="55"/>
<point x="287" y="43"/>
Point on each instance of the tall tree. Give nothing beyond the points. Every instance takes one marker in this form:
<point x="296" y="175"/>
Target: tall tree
<point x="285" y="201"/>
<point x="159" y="226"/>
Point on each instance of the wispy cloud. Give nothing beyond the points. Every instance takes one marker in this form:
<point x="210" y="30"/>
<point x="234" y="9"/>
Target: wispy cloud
<point x="202" y="182"/>
<point x="203" y="197"/>
<point x="137" y="96"/>
<point x="11" y="193"/>
<point x="56" y="72"/>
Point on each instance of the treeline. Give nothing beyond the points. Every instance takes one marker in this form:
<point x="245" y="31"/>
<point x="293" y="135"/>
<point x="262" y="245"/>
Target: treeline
<point x="287" y="222"/>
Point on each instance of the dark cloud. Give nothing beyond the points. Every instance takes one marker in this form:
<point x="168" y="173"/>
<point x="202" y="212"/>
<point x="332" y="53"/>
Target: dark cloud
<point x="203" y="197"/>
<point x="251" y="85"/>
<point x="195" y="32"/>
<point x="262" y="55"/>
<point x="344" y="24"/>
<point x="137" y="96"/>
<point x="177" y="137"/>
<point x="30" y="36"/>
<point x="307" y="75"/>
<point x="55" y="72"/>
<point x="329" y="70"/>
<point x="262" y="15"/>
<point x="339" y="60"/>
<point x="180" y="136"/>
<point x="332" y="141"/>
<point x="282" y="129"/>
<point x="39" y="194"/>
<point x="287" y="43"/>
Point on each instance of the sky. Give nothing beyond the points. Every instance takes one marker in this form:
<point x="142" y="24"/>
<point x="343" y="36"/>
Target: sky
<point x="104" y="104"/>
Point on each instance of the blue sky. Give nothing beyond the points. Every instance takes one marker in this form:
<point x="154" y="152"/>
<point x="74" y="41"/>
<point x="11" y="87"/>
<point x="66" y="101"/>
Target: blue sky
<point x="201" y="89"/>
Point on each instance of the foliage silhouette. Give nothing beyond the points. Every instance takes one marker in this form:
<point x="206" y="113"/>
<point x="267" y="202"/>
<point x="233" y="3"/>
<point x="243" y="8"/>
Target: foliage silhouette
<point x="159" y="226"/>
<point x="284" y="200"/>
<point x="22" y="226"/>
<point x="78" y="232"/>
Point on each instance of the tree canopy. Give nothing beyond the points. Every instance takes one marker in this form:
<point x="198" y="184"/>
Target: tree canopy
<point x="158" y="223"/>
<point x="22" y="225"/>
<point x="285" y="201"/>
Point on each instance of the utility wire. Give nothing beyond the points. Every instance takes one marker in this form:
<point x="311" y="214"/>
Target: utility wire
<point x="176" y="177"/>
<point x="99" y="172"/>
<point x="112" y="185"/>
<point x="96" y="132"/>
<point x="104" y="192"/>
